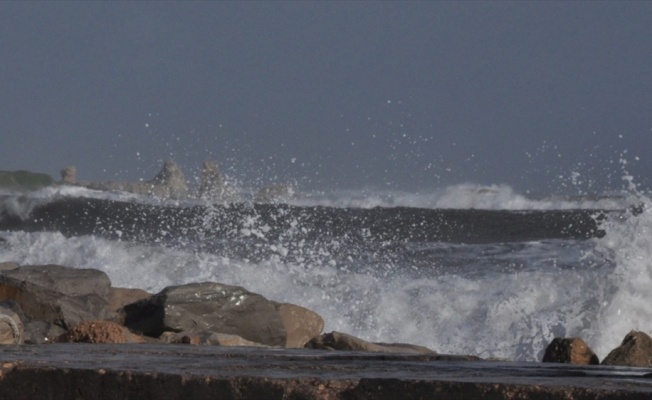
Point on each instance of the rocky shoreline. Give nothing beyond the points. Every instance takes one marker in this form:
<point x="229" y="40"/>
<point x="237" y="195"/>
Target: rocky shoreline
<point x="155" y="346"/>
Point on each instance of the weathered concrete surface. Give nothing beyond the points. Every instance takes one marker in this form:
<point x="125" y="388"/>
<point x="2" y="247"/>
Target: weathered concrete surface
<point x="66" y="371"/>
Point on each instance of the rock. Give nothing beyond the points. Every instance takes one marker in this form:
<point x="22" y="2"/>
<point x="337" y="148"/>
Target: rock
<point x="24" y="180"/>
<point x="54" y="298"/>
<point x="7" y="266"/>
<point x="168" y="183"/>
<point x="211" y="184"/>
<point x="570" y="351"/>
<point x="207" y="338"/>
<point x="406" y="348"/>
<point x="634" y="351"/>
<point x="120" y="297"/>
<point x="69" y="175"/>
<point x="214" y="307"/>
<point x="342" y="341"/>
<point x="99" y="332"/>
<point x="172" y="178"/>
<point x="69" y="281"/>
<point x="300" y="324"/>
<point x="11" y="326"/>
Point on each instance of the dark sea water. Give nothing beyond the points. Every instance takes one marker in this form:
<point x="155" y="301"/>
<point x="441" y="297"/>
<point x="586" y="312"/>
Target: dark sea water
<point x="468" y="270"/>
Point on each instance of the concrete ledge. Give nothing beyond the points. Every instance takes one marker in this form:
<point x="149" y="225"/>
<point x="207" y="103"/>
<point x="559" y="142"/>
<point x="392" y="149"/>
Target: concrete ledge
<point x="80" y="371"/>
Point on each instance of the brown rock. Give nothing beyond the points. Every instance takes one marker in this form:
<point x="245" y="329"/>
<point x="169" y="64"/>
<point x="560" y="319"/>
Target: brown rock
<point x="7" y="266"/>
<point x="634" y="351"/>
<point x="207" y="338"/>
<point x="11" y="326"/>
<point x="99" y="332"/>
<point x="570" y="351"/>
<point x="300" y="324"/>
<point x="120" y="297"/>
<point x="343" y="341"/>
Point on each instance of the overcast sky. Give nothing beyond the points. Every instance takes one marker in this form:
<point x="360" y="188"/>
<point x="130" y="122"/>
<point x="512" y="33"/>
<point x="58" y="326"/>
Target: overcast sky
<point x="403" y="95"/>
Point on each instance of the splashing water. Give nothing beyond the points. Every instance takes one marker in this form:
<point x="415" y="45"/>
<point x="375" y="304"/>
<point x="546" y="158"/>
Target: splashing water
<point x="506" y="300"/>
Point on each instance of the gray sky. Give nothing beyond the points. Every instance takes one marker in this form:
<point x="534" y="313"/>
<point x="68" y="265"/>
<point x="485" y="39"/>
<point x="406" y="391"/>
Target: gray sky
<point x="410" y="96"/>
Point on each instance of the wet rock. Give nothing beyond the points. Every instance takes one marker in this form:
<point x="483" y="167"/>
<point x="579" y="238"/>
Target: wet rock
<point x="207" y="338"/>
<point x="300" y="324"/>
<point x="213" y="307"/>
<point x="634" y="351"/>
<point x="66" y="280"/>
<point x="185" y="372"/>
<point x="99" y="332"/>
<point x="11" y="326"/>
<point x="570" y="351"/>
<point x="342" y="341"/>
<point x="53" y="298"/>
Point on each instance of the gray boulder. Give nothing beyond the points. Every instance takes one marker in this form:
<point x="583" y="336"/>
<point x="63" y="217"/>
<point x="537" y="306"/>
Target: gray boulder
<point x="209" y="307"/>
<point x="54" y="298"/>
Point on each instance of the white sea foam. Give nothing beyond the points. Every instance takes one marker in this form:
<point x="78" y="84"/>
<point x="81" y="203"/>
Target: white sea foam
<point x="463" y="196"/>
<point x="629" y="244"/>
<point x="508" y="305"/>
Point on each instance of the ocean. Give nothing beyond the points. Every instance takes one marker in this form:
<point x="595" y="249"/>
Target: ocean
<point x="469" y="269"/>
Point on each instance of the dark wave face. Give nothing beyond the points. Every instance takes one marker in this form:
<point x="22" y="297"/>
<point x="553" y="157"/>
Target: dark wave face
<point x="266" y="222"/>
